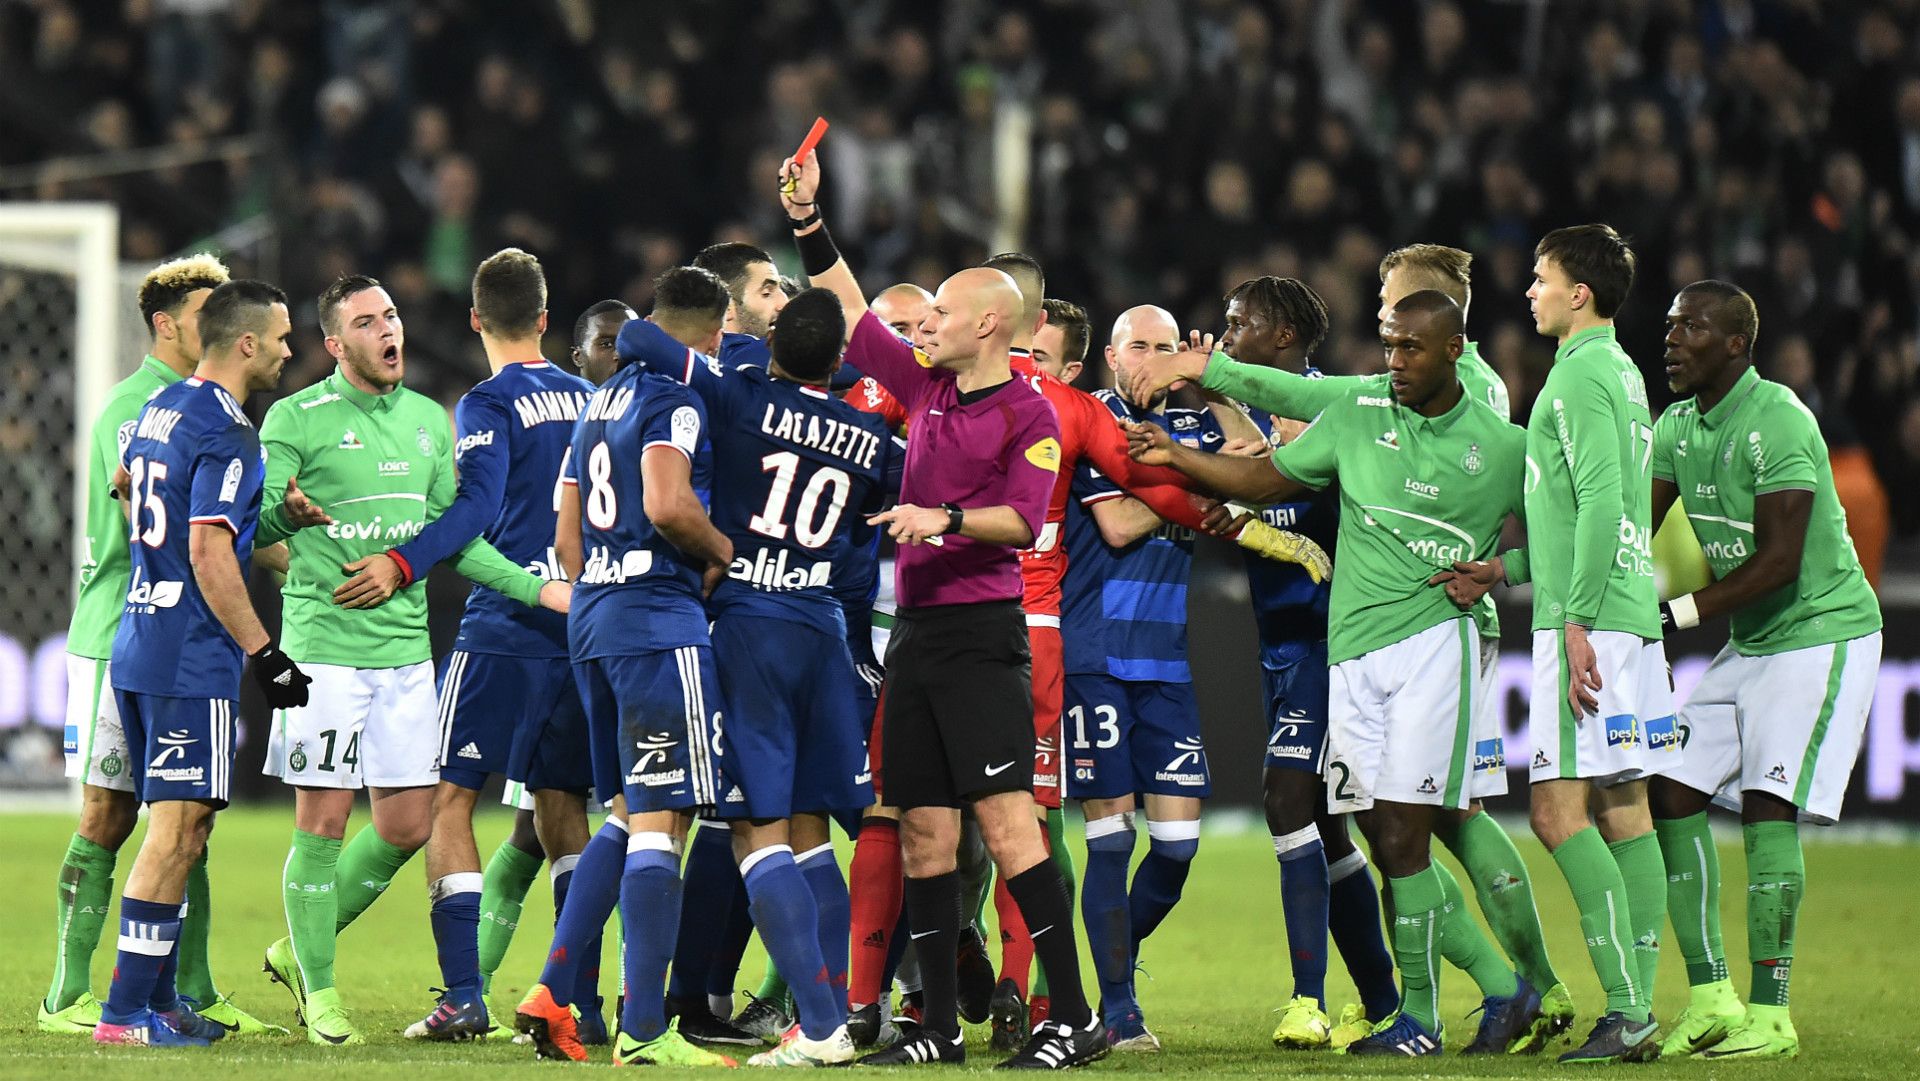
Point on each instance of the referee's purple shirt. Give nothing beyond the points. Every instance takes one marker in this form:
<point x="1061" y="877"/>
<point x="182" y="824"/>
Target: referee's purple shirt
<point x="1003" y="450"/>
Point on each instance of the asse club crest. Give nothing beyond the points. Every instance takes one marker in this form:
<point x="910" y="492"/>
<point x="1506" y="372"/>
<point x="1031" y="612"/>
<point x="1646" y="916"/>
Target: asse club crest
<point x="426" y="443"/>
<point x="111" y="765"/>
<point x="297" y="761"/>
<point x="1471" y="461"/>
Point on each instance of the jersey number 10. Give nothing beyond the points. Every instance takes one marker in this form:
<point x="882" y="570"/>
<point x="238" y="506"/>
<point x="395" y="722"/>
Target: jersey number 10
<point x="834" y="485"/>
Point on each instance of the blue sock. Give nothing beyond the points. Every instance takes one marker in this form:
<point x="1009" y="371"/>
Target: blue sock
<point x="736" y="931"/>
<point x="148" y="934"/>
<point x="650" y="912"/>
<point x="708" y="886"/>
<point x="1103" y="905"/>
<point x="1161" y="876"/>
<point x="165" y="996"/>
<point x="1303" y="904"/>
<point x="592" y="893"/>
<point x="1354" y="919"/>
<point x="456" y="932"/>
<point x="835" y="908"/>
<point x="789" y="925"/>
<point x="586" y="982"/>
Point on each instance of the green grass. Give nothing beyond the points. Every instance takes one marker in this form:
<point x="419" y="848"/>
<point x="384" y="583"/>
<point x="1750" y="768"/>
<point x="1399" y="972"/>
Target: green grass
<point x="1218" y="967"/>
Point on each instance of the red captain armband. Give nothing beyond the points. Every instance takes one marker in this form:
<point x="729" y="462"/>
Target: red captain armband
<point x="406" y="568"/>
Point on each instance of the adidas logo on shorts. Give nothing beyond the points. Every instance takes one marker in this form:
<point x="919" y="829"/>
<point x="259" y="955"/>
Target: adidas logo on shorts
<point x="471" y="750"/>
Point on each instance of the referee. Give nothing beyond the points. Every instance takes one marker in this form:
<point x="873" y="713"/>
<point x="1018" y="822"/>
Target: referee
<point x="957" y="723"/>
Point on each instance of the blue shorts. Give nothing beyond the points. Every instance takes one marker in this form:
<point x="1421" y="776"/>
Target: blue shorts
<point x="179" y="748"/>
<point x="1295" y="691"/>
<point x="520" y="716"/>
<point x="653" y="721"/>
<point x="1129" y="738"/>
<point x="792" y="738"/>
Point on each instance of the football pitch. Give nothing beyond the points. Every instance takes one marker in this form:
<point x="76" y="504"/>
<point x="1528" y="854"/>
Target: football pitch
<point x="1213" y="972"/>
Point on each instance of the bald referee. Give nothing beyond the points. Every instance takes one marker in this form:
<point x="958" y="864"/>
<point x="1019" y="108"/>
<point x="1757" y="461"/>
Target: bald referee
<point x="957" y="726"/>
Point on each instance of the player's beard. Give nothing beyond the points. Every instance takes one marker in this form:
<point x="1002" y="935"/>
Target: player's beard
<point x="372" y="367"/>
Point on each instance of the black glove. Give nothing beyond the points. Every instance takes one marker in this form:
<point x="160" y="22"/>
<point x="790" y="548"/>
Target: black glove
<point x="281" y="680"/>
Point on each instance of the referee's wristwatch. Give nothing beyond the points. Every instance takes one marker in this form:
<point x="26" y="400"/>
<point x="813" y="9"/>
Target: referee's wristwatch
<point x="954" y="517"/>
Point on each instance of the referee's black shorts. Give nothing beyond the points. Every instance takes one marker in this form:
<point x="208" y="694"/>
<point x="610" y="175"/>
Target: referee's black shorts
<point x="957" y="720"/>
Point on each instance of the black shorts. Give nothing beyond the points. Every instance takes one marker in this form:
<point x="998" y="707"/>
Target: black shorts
<point x="958" y="712"/>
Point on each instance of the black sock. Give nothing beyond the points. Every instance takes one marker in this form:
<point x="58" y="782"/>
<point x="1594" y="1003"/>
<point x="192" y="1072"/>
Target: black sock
<point x="933" y="908"/>
<point x="1042" y="896"/>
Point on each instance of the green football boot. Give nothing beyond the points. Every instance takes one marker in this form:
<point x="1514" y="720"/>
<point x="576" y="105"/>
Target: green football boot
<point x="76" y="1020"/>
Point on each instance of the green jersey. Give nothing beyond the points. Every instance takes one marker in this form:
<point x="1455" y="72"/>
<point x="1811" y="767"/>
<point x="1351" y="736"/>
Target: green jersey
<point x="1416" y="494"/>
<point x="1304" y="397"/>
<point x="382" y="467"/>
<point x="104" y="566"/>
<point x="1758" y="440"/>
<point x="1589" y="546"/>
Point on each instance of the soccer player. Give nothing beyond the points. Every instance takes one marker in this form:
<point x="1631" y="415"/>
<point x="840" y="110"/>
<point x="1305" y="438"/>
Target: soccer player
<point x="756" y="298"/>
<point x="635" y="535"/>
<point x="595" y="334"/>
<point x="1601" y="712"/>
<point x="96" y="748"/>
<point x="902" y="307"/>
<point x="957" y="729"/>
<point x="507" y="699"/>
<point x="796" y="469"/>
<point x="191" y="470"/>
<point x="1262" y="363"/>
<point x="1774" y="726"/>
<point x="1060" y="345"/>
<point x="1426" y="472"/>
<point x="380" y="458"/>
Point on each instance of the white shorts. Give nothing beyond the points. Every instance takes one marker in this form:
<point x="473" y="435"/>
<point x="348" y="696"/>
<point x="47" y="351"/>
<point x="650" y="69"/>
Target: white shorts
<point x="1401" y="721"/>
<point x="360" y="728"/>
<point x="1488" y="766"/>
<point x="1632" y="736"/>
<point x="515" y="795"/>
<point x="1787" y="724"/>
<point x="95" y="743"/>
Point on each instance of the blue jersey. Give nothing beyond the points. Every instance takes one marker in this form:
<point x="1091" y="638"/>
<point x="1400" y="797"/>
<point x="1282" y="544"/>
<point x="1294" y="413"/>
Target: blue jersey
<point x="1124" y="610"/>
<point x="637" y="593"/>
<point x="737" y="349"/>
<point x="1289" y="610"/>
<point x="796" y="469"/>
<point x="511" y="433"/>
<point x="194" y="458"/>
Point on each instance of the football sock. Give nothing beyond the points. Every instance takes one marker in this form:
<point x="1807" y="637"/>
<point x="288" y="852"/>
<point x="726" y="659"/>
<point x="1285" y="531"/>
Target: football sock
<point x="831" y="901"/>
<point x="149" y="932"/>
<point x="1465" y="946"/>
<point x="736" y="933"/>
<point x="166" y="994"/>
<point x="1418" y="903"/>
<point x="650" y="911"/>
<point x="194" y="973"/>
<point x="1353" y="915"/>
<point x="311" y="903"/>
<point x="586" y="982"/>
<point x="876" y="908"/>
<point x="83" y="896"/>
<point x="1304" y="891"/>
<point x="367" y="866"/>
<point x="1601" y="896"/>
<point x="1505" y="892"/>
<point x="975" y="864"/>
<point x="1056" y="839"/>
<point x="1103" y="905"/>
<point x="592" y="894"/>
<point x="789" y="925"/>
<point x="709" y="883"/>
<point x="933" y="905"/>
<point x="1645" y="876"/>
<point x="1776" y="880"/>
<point x="1016" y="947"/>
<point x="1693" y="894"/>
<point x="456" y="932"/>
<point x="509" y="875"/>
<point x="1041" y="895"/>
<point x="1161" y="876"/>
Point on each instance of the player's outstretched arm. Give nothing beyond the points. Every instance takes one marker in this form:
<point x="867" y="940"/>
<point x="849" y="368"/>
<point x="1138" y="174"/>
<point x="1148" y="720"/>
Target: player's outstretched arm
<point x="1122" y="520"/>
<point x="482" y="454"/>
<point x="216" y="571"/>
<point x="799" y="188"/>
<point x="1254" y="480"/>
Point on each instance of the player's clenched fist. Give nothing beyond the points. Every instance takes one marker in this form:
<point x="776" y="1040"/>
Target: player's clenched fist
<point x="281" y="680"/>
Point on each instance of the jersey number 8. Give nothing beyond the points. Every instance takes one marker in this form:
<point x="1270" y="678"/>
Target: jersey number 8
<point x="146" y="476"/>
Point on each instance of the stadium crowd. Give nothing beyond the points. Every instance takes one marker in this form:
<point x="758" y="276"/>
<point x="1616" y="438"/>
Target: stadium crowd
<point x="1154" y="150"/>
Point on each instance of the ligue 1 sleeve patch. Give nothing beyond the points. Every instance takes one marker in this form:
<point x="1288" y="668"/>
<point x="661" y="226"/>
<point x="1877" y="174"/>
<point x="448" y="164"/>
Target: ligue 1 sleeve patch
<point x="230" y="484"/>
<point x="684" y="428"/>
<point x="1045" y="454"/>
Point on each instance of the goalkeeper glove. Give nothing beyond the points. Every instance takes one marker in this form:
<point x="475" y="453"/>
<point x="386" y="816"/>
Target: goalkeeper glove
<point x="1285" y="546"/>
<point x="281" y="680"/>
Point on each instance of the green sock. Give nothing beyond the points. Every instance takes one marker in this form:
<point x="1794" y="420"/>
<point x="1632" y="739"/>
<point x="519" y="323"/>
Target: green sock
<point x="367" y="867"/>
<point x="194" y="978"/>
<point x="1465" y="946"/>
<point x="1505" y="891"/>
<point x="1693" y="894"/>
<point x="1776" y="879"/>
<point x="1419" y="902"/>
<point x="510" y="874"/>
<point x="83" y="901"/>
<point x="1601" y="896"/>
<point x="1644" y="873"/>
<point x="1062" y="855"/>
<point x="772" y="987"/>
<point x="311" y="900"/>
